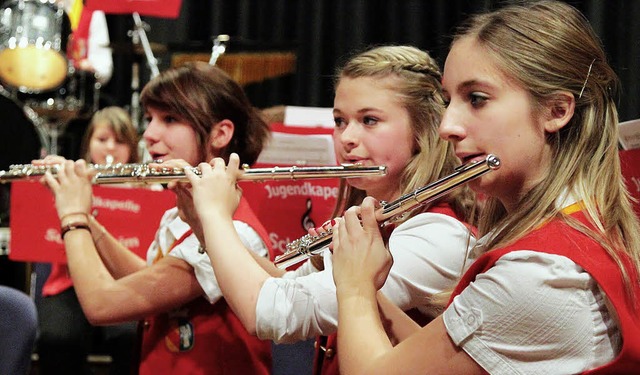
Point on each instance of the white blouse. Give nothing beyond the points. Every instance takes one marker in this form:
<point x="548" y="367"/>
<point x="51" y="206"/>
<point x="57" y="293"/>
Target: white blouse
<point x="534" y="313"/>
<point x="172" y="228"/>
<point x="429" y="252"/>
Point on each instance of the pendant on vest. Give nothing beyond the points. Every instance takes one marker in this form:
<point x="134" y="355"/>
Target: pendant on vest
<point x="180" y="337"/>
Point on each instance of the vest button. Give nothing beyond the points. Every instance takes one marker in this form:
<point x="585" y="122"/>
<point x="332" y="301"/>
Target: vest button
<point x="146" y="324"/>
<point x="330" y="353"/>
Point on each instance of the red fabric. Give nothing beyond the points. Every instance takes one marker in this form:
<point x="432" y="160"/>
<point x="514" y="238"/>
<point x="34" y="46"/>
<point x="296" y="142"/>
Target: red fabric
<point x="154" y="8"/>
<point x="594" y="259"/>
<point x="201" y="338"/>
<point x="58" y="281"/>
<point x="327" y="364"/>
<point x="78" y="45"/>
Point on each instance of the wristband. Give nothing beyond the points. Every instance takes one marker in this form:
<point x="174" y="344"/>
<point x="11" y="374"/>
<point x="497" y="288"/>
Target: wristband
<point x="73" y="226"/>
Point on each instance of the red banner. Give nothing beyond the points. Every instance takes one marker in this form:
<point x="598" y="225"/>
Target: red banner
<point x="630" y="163"/>
<point x="288" y="208"/>
<point x="132" y="215"/>
<point x="153" y="8"/>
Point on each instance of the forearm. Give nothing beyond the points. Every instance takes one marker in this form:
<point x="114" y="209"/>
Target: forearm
<point x="267" y="265"/>
<point x="239" y="275"/>
<point x="397" y="324"/>
<point x="90" y="277"/>
<point x="361" y="335"/>
<point x="119" y="260"/>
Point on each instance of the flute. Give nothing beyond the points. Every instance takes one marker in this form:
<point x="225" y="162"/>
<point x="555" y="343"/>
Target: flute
<point x="308" y="245"/>
<point x="142" y="173"/>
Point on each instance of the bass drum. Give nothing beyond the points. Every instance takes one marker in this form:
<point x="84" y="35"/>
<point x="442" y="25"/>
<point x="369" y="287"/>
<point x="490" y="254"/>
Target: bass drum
<point x="31" y="45"/>
<point x="22" y="139"/>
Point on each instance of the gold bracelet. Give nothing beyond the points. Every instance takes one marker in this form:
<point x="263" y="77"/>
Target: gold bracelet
<point x="73" y="226"/>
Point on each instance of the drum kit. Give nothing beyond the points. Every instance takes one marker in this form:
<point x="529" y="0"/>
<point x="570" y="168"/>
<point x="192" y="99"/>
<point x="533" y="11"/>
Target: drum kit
<point x="40" y="92"/>
<point x="35" y="74"/>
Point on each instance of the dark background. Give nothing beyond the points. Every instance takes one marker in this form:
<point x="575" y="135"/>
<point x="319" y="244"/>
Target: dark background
<point x="323" y="33"/>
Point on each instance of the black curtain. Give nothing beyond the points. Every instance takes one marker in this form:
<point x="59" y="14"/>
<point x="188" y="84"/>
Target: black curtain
<point x="323" y="33"/>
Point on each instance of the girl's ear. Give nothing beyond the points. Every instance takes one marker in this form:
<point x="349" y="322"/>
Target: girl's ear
<point x="559" y="111"/>
<point x="220" y="135"/>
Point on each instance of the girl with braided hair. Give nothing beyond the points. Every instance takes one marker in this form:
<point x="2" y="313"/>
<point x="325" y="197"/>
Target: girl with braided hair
<point x="387" y="109"/>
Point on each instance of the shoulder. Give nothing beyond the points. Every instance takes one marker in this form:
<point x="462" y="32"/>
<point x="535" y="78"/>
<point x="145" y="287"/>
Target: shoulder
<point x="431" y="221"/>
<point x="437" y="230"/>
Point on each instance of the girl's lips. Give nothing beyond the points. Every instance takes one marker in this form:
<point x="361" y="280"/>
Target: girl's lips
<point x="353" y="160"/>
<point x="471" y="158"/>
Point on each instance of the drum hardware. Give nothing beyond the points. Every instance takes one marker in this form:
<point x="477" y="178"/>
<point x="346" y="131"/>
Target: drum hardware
<point x="31" y="57"/>
<point x="79" y="93"/>
<point x="5" y="237"/>
<point x="219" y="47"/>
<point x="139" y="38"/>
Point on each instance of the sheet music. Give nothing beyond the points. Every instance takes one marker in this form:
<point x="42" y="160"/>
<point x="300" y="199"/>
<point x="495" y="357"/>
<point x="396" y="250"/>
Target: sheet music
<point x="630" y="134"/>
<point x="309" y="116"/>
<point x="299" y="149"/>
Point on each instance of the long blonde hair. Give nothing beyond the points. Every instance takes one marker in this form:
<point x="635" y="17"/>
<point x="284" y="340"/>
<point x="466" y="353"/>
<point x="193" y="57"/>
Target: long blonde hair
<point x="417" y="84"/>
<point x="548" y="47"/>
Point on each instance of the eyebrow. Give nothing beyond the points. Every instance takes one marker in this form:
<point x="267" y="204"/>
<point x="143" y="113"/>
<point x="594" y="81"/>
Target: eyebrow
<point x="363" y="110"/>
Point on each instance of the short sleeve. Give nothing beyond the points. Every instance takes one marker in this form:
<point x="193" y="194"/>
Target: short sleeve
<point x="188" y="251"/>
<point x="532" y="313"/>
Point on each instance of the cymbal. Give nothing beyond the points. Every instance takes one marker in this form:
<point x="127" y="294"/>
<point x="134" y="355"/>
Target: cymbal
<point x="130" y="48"/>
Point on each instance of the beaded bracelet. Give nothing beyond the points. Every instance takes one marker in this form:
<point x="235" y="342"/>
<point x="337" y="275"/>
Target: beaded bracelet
<point x="73" y="226"/>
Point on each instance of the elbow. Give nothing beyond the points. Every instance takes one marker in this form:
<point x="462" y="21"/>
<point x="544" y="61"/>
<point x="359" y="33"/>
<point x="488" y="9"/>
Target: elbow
<point x="96" y="318"/>
<point x="98" y="313"/>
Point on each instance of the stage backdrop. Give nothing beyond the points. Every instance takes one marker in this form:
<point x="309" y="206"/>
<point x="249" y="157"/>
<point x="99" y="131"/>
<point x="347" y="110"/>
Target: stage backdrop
<point x="322" y="33"/>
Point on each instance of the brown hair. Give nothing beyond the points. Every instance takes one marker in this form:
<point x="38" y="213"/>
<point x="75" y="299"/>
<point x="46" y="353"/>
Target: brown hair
<point x="202" y="95"/>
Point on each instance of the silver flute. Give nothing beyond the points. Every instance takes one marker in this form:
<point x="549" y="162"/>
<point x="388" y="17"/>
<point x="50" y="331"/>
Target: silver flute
<point x="390" y="212"/>
<point x="144" y="174"/>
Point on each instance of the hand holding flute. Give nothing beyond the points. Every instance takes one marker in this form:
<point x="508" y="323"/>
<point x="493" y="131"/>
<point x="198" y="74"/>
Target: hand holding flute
<point x="360" y="256"/>
<point x="71" y="187"/>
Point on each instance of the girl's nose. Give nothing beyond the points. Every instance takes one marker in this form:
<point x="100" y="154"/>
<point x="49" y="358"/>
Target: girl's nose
<point x="451" y="128"/>
<point x="350" y="136"/>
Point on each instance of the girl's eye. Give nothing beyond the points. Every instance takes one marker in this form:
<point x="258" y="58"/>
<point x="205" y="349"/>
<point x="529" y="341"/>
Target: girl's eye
<point x="169" y="119"/>
<point x="369" y="120"/>
<point x="339" y="121"/>
<point x="476" y="99"/>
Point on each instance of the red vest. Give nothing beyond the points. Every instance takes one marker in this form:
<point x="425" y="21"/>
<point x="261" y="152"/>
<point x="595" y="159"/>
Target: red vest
<point x="559" y="238"/>
<point x="326" y="358"/>
<point x="201" y="338"/>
